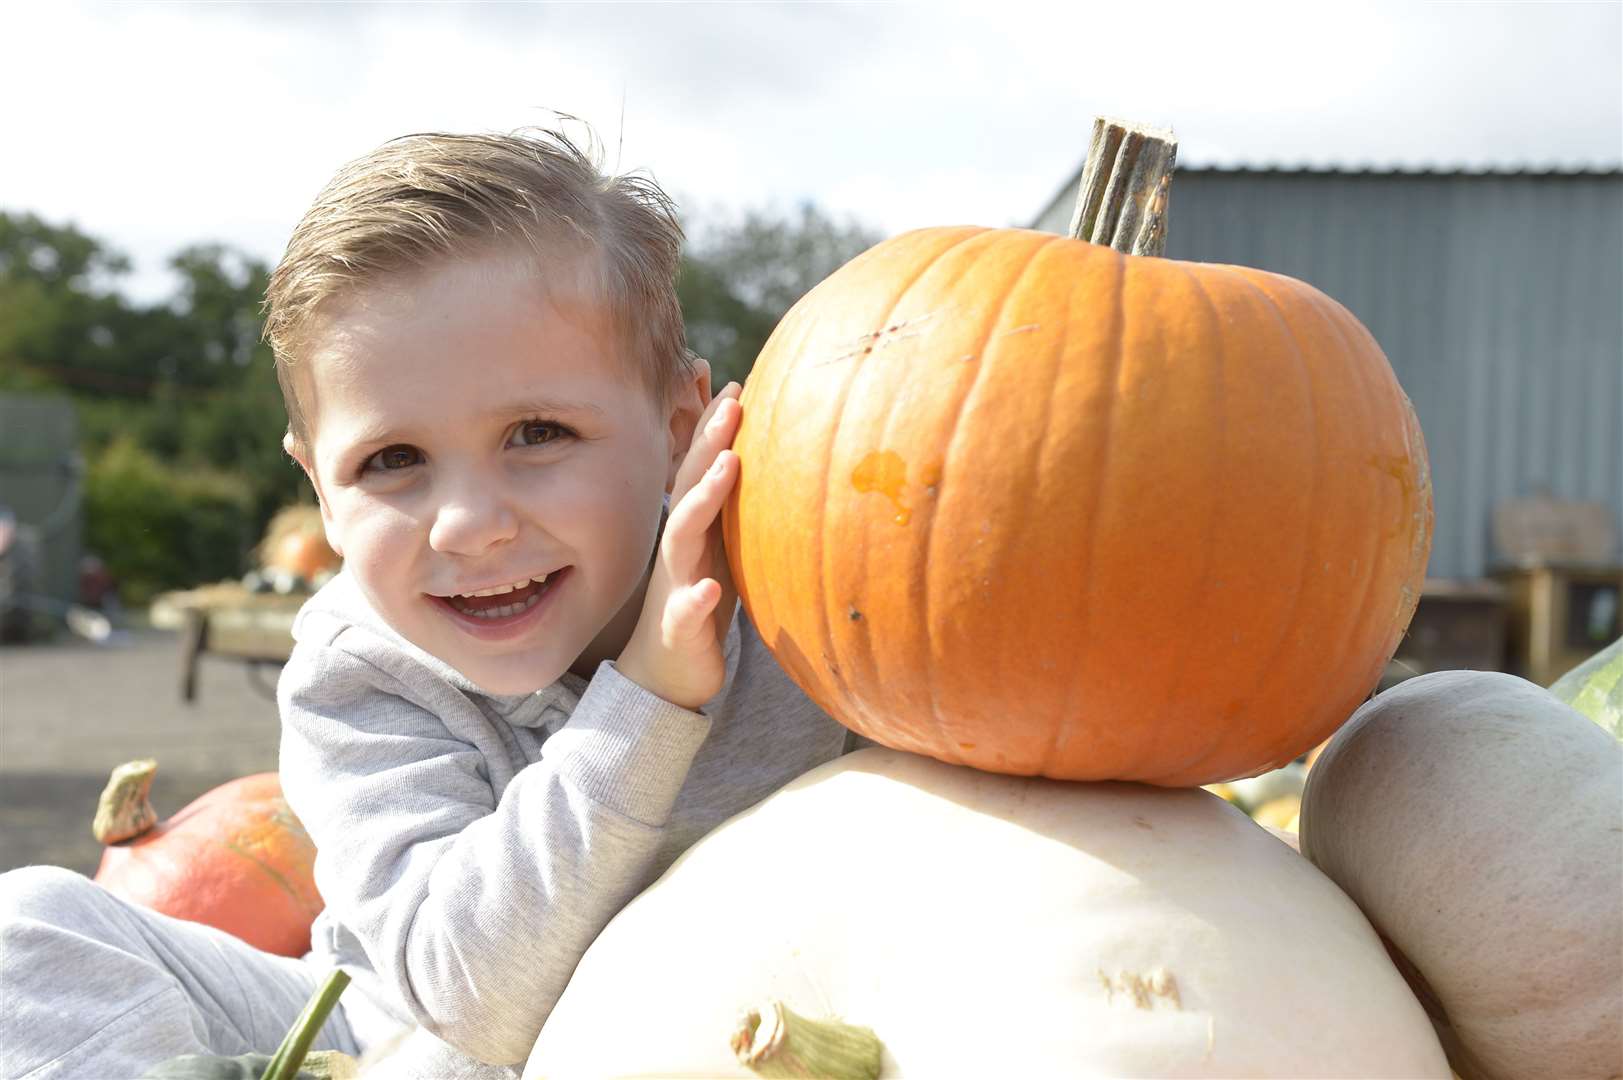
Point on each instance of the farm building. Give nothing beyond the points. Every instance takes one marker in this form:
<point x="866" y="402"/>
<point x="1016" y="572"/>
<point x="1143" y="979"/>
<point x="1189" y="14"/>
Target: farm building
<point x="1498" y="298"/>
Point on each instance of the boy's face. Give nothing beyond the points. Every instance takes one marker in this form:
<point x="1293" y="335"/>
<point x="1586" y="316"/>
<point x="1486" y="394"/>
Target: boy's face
<point x="470" y="435"/>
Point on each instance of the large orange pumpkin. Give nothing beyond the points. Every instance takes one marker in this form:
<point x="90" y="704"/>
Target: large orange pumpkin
<point x="1029" y="504"/>
<point x="236" y="858"/>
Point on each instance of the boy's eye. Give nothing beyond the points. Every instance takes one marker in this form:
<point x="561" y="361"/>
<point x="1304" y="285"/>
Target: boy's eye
<point x="537" y="433"/>
<point x="393" y="457"/>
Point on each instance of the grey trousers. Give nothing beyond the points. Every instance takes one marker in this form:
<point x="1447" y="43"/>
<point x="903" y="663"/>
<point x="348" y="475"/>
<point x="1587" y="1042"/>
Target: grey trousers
<point x="93" y="987"/>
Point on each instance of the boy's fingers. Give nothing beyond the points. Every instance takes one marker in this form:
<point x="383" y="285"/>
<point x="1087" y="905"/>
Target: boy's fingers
<point x="710" y="439"/>
<point x="713" y="435"/>
<point x="689" y="609"/>
<point x="687" y="530"/>
<point x="727" y="393"/>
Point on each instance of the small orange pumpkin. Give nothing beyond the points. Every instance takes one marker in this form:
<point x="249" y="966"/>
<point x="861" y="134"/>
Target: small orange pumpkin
<point x="303" y="553"/>
<point x="235" y="858"/>
<point x="1033" y="505"/>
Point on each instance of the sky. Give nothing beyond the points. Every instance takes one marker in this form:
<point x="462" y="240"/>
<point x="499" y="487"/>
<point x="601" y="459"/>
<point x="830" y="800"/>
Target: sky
<point x="154" y="126"/>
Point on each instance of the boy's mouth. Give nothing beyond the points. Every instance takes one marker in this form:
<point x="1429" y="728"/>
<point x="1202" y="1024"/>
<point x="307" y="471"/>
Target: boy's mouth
<point x="502" y="601"/>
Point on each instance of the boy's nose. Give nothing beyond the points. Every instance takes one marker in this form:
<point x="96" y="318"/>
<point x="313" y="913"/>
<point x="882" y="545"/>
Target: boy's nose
<point x="471" y="524"/>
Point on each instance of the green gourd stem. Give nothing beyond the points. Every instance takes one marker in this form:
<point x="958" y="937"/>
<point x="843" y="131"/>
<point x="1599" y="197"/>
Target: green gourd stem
<point x="774" y="1041"/>
<point x="1126" y="183"/>
<point x="284" y="1064"/>
<point x="124" y="810"/>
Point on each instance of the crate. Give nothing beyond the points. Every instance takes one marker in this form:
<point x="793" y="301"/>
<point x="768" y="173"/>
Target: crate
<point x="1560" y="615"/>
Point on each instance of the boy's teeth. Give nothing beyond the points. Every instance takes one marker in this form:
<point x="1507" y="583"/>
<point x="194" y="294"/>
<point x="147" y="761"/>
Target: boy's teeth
<point x="500" y="589"/>
<point x="501" y="611"/>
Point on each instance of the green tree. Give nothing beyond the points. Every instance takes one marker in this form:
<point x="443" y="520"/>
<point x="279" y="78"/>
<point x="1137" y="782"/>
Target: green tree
<point x="177" y="400"/>
<point x="739" y="279"/>
<point x="59" y="315"/>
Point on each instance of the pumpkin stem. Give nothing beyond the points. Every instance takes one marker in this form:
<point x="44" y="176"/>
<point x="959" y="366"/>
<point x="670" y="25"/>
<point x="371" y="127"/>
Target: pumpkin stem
<point x="290" y="1056"/>
<point x="1126" y="182"/>
<point x="124" y="810"/>
<point x="774" y="1041"/>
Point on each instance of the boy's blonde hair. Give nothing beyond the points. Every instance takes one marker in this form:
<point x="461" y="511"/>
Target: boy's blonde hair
<point x="421" y="199"/>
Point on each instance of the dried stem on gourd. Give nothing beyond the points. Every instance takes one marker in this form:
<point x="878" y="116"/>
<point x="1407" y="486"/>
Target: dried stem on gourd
<point x="330" y="1065"/>
<point x="1126" y="183"/>
<point x="774" y="1041"/>
<point x="124" y="810"/>
<point x="295" y="1048"/>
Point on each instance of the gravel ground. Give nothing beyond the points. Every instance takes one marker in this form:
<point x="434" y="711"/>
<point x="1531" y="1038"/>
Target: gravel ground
<point x="70" y="711"/>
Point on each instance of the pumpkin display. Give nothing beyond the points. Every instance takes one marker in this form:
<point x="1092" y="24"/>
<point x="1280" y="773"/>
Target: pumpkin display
<point x="1478" y="822"/>
<point x="304" y="554"/>
<point x="1028" y="503"/>
<point x="295" y="543"/>
<point x="993" y="926"/>
<point x="235" y="858"/>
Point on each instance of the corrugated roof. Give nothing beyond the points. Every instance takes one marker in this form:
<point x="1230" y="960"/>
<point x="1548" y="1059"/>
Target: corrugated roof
<point x="1067" y="190"/>
<point x="1549" y="169"/>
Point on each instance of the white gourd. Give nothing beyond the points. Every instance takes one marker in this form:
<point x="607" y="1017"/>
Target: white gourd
<point x="994" y="926"/>
<point x="1478" y="822"/>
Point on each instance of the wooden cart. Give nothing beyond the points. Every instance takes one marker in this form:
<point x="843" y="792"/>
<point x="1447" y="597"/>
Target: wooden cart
<point x="228" y="621"/>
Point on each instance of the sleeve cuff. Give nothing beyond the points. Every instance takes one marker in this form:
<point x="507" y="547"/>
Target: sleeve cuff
<point x="627" y="748"/>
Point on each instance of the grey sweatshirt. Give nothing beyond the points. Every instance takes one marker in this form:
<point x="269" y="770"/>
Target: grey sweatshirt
<point x="470" y="847"/>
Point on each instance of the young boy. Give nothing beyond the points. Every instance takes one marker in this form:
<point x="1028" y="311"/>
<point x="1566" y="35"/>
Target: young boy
<point x="529" y="689"/>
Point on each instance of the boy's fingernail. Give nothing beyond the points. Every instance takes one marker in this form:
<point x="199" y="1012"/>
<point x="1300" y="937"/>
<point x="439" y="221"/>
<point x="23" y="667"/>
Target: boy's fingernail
<point x="720" y="466"/>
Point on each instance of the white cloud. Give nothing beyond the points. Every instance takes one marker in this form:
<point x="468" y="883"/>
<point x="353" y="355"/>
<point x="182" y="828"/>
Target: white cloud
<point x="155" y="125"/>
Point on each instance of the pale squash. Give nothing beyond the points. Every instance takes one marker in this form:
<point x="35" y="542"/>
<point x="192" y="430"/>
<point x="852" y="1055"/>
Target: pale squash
<point x="992" y="926"/>
<point x="1478" y="822"/>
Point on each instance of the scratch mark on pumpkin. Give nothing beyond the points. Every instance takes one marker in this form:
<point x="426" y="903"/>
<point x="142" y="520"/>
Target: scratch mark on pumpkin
<point x="1026" y="329"/>
<point x="883" y="338"/>
<point x="1158" y="987"/>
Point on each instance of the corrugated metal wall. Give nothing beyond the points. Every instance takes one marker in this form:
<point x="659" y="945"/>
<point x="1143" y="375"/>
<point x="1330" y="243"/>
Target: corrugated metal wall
<point x="1498" y="298"/>
<point x="39" y="467"/>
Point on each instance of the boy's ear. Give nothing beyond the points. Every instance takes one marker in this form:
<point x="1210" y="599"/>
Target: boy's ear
<point x="688" y="402"/>
<point x="300" y="453"/>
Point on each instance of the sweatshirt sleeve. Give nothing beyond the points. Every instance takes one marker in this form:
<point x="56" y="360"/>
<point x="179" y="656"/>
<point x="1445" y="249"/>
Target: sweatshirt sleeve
<point x="476" y="911"/>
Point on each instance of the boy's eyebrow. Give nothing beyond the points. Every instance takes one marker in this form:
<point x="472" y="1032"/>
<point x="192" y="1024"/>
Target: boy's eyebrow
<point x="374" y="435"/>
<point x="546" y="406"/>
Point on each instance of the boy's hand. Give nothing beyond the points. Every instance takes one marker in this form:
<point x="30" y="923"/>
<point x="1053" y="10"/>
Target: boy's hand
<point x="675" y="650"/>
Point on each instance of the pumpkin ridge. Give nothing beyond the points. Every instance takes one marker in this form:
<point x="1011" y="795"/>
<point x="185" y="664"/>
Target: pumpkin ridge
<point x="1063" y="730"/>
<point x="945" y="740"/>
<point x="1076" y="697"/>
<point x="1067" y="717"/>
<point x="1360" y="625"/>
<point x="1372" y="398"/>
<point x="762" y="604"/>
<point x="831" y="657"/>
<point x="1214" y="486"/>
<point x="1288" y="624"/>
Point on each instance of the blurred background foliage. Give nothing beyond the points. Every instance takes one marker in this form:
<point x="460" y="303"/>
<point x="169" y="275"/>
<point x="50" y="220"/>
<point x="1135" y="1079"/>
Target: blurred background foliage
<point x="179" y="412"/>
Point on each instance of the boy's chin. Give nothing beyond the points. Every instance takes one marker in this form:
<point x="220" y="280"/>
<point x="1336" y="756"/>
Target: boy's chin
<point x="500" y="681"/>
